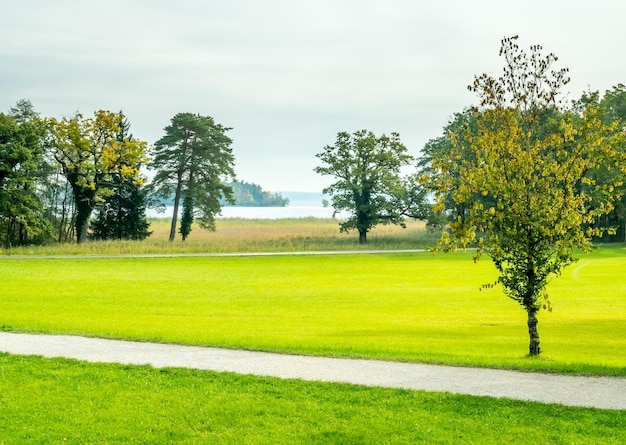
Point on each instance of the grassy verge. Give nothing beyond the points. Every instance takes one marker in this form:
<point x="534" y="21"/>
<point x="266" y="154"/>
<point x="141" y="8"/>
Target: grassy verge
<point x="63" y="401"/>
<point x="410" y="307"/>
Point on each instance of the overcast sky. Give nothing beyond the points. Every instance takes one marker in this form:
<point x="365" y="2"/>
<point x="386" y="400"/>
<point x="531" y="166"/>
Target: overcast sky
<point x="288" y="75"/>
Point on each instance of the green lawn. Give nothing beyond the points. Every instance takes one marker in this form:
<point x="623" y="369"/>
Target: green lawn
<point x="411" y="307"/>
<point x="62" y="401"/>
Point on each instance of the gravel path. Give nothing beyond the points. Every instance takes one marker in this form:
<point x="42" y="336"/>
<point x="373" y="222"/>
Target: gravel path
<point x="216" y="254"/>
<point x="598" y="392"/>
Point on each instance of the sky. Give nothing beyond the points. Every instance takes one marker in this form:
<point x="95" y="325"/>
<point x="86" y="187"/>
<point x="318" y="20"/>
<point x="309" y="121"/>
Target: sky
<point x="287" y="76"/>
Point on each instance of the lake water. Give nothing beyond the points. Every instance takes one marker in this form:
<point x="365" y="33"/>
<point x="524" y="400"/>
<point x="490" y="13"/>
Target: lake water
<point x="295" y="210"/>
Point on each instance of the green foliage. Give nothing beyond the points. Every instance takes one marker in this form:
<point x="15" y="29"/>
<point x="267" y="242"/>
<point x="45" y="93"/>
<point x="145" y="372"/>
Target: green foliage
<point x="186" y="219"/>
<point x="121" y="213"/>
<point x="449" y="208"/>
<point x="108" y="403"/>
<point x="611" y="108"/>
<point x="91" y="156"/>
<point x="192" y="161"/>
<point x="530" y="161"/>
<point x="250" y="194"/>
<point x="368" y="183"/>
<point x="21" y="211"/>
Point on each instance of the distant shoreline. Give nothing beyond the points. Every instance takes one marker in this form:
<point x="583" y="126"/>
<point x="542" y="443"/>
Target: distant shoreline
<point x="300" y="209"/>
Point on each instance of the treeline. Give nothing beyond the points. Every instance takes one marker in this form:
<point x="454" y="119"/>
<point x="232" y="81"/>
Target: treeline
<point x="370" y="188"/>
<point x="252" y="195"/>
<point x="462" y="134"/>
<point x="80" y="178"/>
<point x="56" y="174"/>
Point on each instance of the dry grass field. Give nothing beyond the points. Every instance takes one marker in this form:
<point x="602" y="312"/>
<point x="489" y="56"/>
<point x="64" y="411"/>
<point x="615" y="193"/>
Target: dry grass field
<point x="251" y="235"/>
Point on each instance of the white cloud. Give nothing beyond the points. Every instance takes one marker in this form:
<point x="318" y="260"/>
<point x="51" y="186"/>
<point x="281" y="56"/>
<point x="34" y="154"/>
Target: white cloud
<point x="288" y="75"/>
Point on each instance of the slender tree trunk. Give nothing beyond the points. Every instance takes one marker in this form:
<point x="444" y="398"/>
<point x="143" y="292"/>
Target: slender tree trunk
<point x="175" y="214"/>
<point x="362" y="236"/>
<point x="533" y="349"/>
<point x="63" y="216"/>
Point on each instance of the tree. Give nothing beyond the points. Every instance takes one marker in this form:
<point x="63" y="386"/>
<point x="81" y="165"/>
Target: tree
<point x="612" y="108"/>
<point x="441" y="148"/>
<point x="121" y="214"/>
<point x="529" y="161"/>
<point x="23" y="111"/>
<point x="91" y="156"/>
<point x="368" y="183"/>
<point x="192" y="162"/>
<point x="21" y="211"/>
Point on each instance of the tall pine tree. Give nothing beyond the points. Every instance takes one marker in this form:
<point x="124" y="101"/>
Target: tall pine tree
<point x="192" y="162"/>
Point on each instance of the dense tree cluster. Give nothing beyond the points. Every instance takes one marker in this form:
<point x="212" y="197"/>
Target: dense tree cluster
<point x="55" y="173"/>
<point x="79" y="177"/>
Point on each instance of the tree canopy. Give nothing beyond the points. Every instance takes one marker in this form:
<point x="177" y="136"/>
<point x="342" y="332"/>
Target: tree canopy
<point x="121" y="213"/>
<point x="21" y="152"/>
<point x="367" y="183"/>
<point x="519" y="168"/>
<point x="90" y="155"/>
<point x="193" y="162"/>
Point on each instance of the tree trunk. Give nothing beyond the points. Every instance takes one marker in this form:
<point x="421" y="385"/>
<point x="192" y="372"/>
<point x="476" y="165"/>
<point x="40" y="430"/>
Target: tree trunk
<point x="174" y="217"/>
<point x="82" y="225"/>
<point x="84" y="202"/>
<point x="533" y="349"/>
<point x="362" y="236"/>
<point x="84" y="207"/>
<point x="179" y="187"/>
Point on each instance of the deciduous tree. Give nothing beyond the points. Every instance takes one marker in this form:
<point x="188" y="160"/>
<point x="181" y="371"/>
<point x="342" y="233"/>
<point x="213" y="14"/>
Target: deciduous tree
<point x="90" y="155"/>
<point x="192" y="162"/>
<point x="612" y="108"/>
<point x="121" y="213"/>
<point x="368" y="183"/>
<point x="528" y="160"/>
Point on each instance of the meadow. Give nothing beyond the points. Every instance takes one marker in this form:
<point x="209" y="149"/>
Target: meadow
<point x="249" y="235"/>
<point x="397" y="306"/>
<point x="409" y="307"/>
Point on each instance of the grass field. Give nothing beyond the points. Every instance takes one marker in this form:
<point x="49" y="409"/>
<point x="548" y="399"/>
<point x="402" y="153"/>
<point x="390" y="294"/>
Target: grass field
<point x="63" y="401"/>
<point x="411" y="307"/>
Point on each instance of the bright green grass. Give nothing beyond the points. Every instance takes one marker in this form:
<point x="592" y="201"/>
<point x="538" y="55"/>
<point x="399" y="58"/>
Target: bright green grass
<point x="64" y="401"/>
<point x="412" y="307"/>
